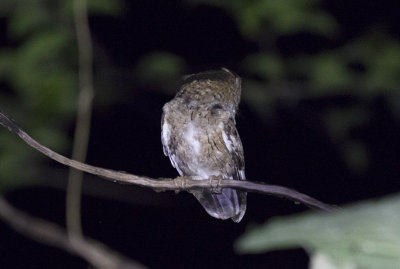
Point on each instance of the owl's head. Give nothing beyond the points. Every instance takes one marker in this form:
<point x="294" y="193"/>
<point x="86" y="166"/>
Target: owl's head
<point x="214" y="86"/>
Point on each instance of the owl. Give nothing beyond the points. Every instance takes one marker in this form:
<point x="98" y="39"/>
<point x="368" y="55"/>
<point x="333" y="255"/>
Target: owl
<point x="198" y="133"/>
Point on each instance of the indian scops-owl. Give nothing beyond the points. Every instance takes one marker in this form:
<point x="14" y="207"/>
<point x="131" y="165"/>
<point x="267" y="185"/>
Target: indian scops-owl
<point x="199" y="135"/>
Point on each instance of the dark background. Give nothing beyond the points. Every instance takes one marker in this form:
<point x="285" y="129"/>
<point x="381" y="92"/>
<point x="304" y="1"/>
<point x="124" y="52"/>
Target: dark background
<point x="290" y="146"/>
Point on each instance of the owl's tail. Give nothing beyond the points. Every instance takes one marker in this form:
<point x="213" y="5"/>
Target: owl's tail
<point x="229" y="203"/>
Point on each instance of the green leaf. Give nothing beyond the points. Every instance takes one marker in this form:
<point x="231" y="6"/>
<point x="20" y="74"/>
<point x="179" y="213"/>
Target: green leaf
<point x="384" y="72"/>
<point x="38" y="57"/>
<point x="284" y="16"/>
<point x="323" y="261"/>
<point x="27" y="17"/>
<point x="329" y="74"/>
<point x="365" y="235"/>
<point x="379" y="54"/>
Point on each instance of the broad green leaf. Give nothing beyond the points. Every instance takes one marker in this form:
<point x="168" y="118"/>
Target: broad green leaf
<point x="365" y="235"/>
<point x="323" y="261"/>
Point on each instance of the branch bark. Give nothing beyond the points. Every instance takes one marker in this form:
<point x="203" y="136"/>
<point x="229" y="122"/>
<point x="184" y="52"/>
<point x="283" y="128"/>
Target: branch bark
<point x="51" y="234"/>
<point x="163" y="184"/>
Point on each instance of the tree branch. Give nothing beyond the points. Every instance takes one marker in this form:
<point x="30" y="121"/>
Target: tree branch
<point x="84" y="112"/>
<point x="163" y="184"/>
<point x="51" y="234"/>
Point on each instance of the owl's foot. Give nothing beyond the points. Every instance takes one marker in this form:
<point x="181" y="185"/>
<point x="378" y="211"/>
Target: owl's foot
<point x="215" y="188"/>
<point x="180" y="184"/>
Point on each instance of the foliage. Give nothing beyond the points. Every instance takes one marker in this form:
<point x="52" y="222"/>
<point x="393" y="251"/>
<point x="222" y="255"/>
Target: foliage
<point x="364" y="235"/>
<point x="38" y="80"/>
<point x="38" y="72"/>
<point x="38" y="65"/>
<point x="363" y="66"/>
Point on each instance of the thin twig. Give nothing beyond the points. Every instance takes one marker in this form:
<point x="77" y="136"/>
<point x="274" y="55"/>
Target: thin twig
<point x="84" y="112"/>
<point x="162" y="184"/>
<point x="51" y="234"/>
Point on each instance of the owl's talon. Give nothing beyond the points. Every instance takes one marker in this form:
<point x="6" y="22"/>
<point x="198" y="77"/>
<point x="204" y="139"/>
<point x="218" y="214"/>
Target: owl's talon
<point x="180" y="184"/>
<point x="215" y="189"/>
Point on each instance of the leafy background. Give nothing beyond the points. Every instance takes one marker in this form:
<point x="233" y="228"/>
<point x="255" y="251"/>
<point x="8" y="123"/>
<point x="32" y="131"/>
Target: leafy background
<point x="320" y="114"/>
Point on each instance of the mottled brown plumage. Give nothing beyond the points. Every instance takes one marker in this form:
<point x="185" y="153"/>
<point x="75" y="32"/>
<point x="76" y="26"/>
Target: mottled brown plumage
<point x="200" y="137"/>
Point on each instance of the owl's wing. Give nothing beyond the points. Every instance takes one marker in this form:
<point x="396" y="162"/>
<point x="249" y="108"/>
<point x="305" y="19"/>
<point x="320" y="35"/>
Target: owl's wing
<point x="169" y="151"/>
<point x="233" y="144"/>
<point x="235" y="198"/>
<point x="165" y="134"/>
<point x="230" y="203"/>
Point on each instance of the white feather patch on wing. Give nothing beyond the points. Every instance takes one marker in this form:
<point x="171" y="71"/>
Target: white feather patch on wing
<point x="165" y="135"/>
<point x="189" y="136"/>
<point x="228" y="142"/>
<point x="233" y="139"/>
<point x="242" y="175"/>
<point x="173" y="162"/>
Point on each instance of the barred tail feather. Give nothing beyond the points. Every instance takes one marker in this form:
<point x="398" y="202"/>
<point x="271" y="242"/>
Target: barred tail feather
<point x="229" y="203"/>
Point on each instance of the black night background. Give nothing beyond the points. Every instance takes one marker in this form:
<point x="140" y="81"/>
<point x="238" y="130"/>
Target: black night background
<point x="320" y="113"/>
